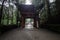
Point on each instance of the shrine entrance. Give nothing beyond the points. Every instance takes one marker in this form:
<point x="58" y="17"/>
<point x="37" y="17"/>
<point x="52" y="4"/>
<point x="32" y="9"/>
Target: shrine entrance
<point x="29" y="19"/>
<point x="29" y="23"/>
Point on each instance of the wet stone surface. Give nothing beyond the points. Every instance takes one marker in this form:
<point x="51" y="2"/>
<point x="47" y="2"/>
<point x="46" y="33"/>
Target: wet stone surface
<point x="30" y="34"/>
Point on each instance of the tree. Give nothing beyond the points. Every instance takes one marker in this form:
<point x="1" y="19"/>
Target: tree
<point x="1" y="11"/>
<point x="48" y="15"/>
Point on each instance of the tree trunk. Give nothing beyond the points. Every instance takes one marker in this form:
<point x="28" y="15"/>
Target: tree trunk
<point x="1" y="11"/>
<point x="48" y="15"/>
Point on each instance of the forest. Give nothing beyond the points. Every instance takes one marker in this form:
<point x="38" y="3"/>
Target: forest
<point x="49" y="13"/>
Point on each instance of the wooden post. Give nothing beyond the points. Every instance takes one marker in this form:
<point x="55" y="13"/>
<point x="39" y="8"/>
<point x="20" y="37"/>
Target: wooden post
<point x="22" y="22"/>
<point x="35" y="23"/>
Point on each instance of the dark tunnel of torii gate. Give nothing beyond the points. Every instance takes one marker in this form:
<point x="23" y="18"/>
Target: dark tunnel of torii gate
<point x="29" y="11"/>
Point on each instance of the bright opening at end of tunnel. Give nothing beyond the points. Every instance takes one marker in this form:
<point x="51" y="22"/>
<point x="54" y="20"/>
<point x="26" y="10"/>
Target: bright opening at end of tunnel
<point x="29" y="26"/>
<point x="29" y="23"/>
<point x="28" y="2"/>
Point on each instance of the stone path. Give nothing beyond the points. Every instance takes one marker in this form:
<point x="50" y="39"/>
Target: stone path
<point x="30" y="34"/>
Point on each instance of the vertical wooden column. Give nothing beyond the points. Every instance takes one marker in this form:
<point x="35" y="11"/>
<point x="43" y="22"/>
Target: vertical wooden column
<point x="22" y="22"/>
<point x="38" y="21"/>
<point x="35" y="23"/>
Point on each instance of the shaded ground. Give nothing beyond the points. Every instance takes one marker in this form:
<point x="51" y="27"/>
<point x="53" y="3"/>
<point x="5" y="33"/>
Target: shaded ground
<point x="30" y="34"/>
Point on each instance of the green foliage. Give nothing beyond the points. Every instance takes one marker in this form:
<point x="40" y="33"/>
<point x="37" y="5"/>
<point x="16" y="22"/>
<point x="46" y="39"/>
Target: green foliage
<point x="43" y="15"/>
<point x="9" y="15"/>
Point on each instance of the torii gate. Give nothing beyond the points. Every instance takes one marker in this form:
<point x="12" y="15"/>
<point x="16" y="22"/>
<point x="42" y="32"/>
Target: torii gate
<point x="28" y="11"/>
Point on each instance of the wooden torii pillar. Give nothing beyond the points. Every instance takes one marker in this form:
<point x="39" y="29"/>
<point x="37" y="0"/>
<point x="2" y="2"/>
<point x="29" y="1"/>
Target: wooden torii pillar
<point x="36" y="21"/>
<point x="22" y="22"/>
